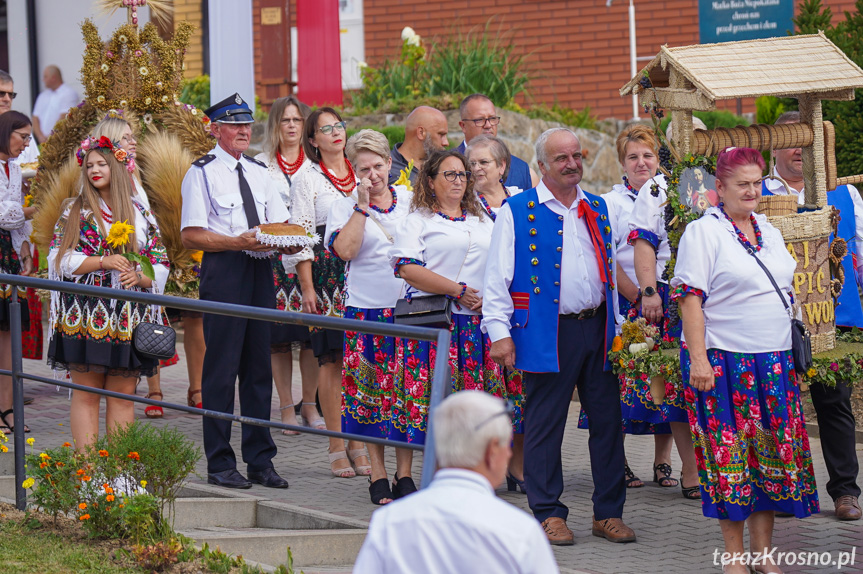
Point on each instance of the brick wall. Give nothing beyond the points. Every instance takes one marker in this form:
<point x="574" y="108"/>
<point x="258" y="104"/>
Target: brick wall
<point x="190" y="11"/>
<point x="578" y="50"/>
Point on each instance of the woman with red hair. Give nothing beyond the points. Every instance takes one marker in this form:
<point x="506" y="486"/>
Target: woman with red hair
<point x="750" y="438"/>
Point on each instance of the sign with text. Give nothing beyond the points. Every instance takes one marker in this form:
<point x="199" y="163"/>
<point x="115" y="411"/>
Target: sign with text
<point x="733" y="20"/>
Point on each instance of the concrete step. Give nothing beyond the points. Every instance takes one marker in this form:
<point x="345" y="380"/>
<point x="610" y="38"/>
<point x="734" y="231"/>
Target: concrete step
<point x="310" y="548"/>
<point x="7" y="489"/>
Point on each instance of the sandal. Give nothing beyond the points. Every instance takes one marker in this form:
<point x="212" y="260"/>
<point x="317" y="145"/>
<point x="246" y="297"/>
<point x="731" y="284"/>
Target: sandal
<point x="346" y="472"/>
<point x="380" y="490"/>
<point x="690" y="492"/>
<point x="287" y="432"/>
<point x="403" y="486"/>
<point x="631" y="478"/>
<point x="667" y="481"/>
<point x="192" y="403"/>
<point x="317" y="422"/>
<point x="362" y="469"/>
<point x="152" y="411"/>
<point x="6" y="424"/>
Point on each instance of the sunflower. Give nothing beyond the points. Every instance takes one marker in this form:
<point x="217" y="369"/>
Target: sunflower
<point x="119" y="234"/>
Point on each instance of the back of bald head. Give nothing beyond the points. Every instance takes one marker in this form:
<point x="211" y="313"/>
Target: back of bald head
<point x="422" y="117"/>
<point x="54" y="71"/>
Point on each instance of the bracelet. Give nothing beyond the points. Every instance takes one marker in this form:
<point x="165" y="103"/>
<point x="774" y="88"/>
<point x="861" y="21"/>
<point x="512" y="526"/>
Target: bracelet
<point x="460" y="295"/>
<point x="100" y="262"/>
<point x="360" y="210"/>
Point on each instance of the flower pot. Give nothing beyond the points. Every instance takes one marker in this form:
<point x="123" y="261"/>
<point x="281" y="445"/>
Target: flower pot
<point x="657" y="389"/>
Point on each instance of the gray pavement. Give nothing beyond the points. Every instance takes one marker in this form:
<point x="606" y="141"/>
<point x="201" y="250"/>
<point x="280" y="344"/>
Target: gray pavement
<point x="673" y="535"/>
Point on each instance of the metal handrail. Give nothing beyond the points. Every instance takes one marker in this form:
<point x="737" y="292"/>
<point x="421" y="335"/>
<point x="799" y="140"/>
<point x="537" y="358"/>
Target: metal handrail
<point x="440" y="381"/>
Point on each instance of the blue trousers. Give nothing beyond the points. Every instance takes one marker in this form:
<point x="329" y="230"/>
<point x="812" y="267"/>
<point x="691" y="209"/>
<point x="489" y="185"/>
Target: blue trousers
<point x="581" y="354"/>
<point x="237" y="348"/>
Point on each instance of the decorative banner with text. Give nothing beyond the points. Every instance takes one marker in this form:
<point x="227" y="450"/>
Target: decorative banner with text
<point x="733" y="20"/>
<point x="812" y="287"/>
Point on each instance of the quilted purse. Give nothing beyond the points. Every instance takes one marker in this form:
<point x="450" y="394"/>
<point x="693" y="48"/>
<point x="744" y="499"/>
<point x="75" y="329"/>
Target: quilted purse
<point x="154" y="341"/>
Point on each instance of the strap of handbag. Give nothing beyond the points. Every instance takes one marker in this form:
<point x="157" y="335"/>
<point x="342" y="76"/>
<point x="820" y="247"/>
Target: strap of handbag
<point x="772" y="281"/>
<point x="386" y="233"/>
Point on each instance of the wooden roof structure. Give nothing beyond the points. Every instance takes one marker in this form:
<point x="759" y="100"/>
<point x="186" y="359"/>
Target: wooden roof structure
<point x="785" y="67"/>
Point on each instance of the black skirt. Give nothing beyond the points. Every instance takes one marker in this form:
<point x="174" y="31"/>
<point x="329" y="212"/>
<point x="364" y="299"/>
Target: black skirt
<point x="10" y="265"/>
<point x="328" y="276"/>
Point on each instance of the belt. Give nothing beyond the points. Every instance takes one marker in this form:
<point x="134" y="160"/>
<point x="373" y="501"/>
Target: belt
<point x="586" y="314"/>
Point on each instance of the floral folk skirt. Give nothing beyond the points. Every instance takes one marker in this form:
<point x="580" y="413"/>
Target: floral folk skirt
<point x="288" y="298"/>
<point x="750" y="438"/>
<point x="328" y="276"/>
<point x="472" y="369"/>
<point x="367" y="376"/>
<point x="94" y="334"/>
<point x="10" y="265"/>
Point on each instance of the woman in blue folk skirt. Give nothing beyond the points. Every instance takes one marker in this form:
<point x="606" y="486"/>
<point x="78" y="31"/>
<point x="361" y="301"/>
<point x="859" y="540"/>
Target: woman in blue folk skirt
<point x="747" y="425"/>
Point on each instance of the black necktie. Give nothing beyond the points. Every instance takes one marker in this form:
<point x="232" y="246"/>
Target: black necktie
<point x="248" y="199"/>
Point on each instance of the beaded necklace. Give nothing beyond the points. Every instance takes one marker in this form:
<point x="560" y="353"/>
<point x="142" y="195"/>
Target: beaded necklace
<point x="448" y="218"/>
<point x="391" y="207"/>
<point x="346" y="184"/>
<point x="487" y="207"/>
<point x="290" y="168"/>
<point x="107" y="217"/>
<point x="629" y="187"/>
<point x="741" y="237"/>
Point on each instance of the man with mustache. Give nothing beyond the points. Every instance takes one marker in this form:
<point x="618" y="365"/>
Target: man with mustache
<point x="549" y="308"/>
<point x="836" y="423"/>
<point x="226" y="194"/>
<point x="425" y="132"/>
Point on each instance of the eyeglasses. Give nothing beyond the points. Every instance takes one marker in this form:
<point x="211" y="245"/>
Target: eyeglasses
<point x="509" y="412"/>
<point x="454" y="175"/>
<point x="479" y="122"/>
<point x="25" y="137"/>
<point x="483" y="163"/>
<point x="10" y="94"/>
<point x="336" y="126"/>
<point x="298" y="121"/>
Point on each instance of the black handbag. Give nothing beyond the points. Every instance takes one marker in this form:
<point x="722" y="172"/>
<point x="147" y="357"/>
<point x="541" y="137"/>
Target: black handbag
<point x="426" y="311"/>
<point x="801" y="340"/>
<point x="154" y="341"/>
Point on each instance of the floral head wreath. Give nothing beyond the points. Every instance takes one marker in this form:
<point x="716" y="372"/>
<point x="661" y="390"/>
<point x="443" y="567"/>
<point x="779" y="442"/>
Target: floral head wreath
<point x="104" y="142"/>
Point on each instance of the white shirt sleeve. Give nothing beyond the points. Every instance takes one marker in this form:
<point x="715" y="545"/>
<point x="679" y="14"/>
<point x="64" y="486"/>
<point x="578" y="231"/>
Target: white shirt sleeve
<point x="496" y="300"/>
<point x="540" y="559"/>
<point x="41" y="103"/>
<point x="409" y="240"/>
<point x="369" y="560"/>
<point x="196" y="207"/>
<point x="277" y="211"/>
<point x="11" y="215"/>
<point x="647" y="213"/>
<point x="303" y="209"/>
<point x="858" y="226"/>
<point x="340" y="213"/>
<point x="696" y="257"/>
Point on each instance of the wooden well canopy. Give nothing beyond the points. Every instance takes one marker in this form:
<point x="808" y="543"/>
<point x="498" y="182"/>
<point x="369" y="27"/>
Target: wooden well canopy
<point x="809" y="68"/>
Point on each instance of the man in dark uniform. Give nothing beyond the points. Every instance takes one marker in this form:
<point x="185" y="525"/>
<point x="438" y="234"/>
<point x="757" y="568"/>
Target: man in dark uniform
<point x="225" y="195"/>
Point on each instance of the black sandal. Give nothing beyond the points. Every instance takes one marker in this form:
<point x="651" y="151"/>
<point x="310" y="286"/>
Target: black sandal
<point x="667" y="481"/>
<point x="690" y="492"/>
<point x="6" y="424"/>
<point x="630" y="478"/>
<point x="379" y="490"/>
<point x="403" y="486"/>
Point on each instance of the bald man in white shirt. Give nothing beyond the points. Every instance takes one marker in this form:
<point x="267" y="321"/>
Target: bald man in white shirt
<point x="457" y="524"/>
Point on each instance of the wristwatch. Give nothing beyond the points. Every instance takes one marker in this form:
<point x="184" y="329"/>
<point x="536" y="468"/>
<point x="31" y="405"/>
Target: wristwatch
<point x="649" y="291"/>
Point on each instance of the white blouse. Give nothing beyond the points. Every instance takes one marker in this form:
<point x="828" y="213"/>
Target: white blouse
<point x="457" y="250"/>
<point x="312" y="197"/>
<point x="12" y="206"/>
<point x="648" y="214"/>
<point x="284" y="185"/>
<point x="620" y="202"/>
<point x="742" y="311"/>
<point x="369" y="279"/>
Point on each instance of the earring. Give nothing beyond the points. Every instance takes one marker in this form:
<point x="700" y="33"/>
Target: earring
<point x="501" y="180"/>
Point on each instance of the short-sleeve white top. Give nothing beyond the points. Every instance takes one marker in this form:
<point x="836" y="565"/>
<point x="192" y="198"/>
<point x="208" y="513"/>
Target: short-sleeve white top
<point x="620" y="202"/>
<point x="457" y="250"/>
<point x="742" y="311"/>
<point x="284" y="185"/>
<point x="647" y="215"/>
<point x="369" y="279"/>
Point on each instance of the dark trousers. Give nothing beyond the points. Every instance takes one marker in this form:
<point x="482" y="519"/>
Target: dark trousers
<point x="581" y="353"/>
<point x="836" y="427"/>
<point x="237" y="347"/>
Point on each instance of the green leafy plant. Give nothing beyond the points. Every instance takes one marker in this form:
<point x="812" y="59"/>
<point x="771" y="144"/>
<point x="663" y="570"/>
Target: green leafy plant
<point x="560" y="114"/>
<point x="159" y="556"/>
<point x="196" y="91"/>
<point x="55" y="488"/>
<point x="395" y="134"/>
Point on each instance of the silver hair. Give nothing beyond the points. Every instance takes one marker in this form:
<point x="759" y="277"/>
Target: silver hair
<point x="458" y="441"/>
<point x="5" y="78"/>
<point x="541" y="155"/>
<point x="495" y="146"/>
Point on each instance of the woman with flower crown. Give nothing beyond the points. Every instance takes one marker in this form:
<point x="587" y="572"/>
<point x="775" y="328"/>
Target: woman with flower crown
<point x="92" y="336"/>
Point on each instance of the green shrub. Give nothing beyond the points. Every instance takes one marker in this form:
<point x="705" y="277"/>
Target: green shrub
<point x="395" y="134"/>
<point x="196" y="91"/>
<point x="557" y="113"/>
<point x="768" y="109"/>
<point x="713" y="119"/>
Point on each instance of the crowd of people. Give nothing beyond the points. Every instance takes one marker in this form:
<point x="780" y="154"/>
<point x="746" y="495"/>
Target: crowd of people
<point x="538" y="273"/>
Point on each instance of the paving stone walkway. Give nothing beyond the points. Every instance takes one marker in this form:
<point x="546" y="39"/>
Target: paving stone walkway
<point x="673" y="535"/>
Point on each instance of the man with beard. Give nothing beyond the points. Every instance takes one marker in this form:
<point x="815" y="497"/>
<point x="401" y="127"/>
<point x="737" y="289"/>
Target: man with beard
<point x="425" y="132"/>
<point x="479" y="116"/>
<point x="549" y="310"/>
<point x="226" y="194"/>
<point x="836" y="423"/>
